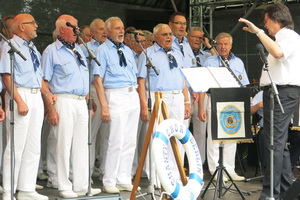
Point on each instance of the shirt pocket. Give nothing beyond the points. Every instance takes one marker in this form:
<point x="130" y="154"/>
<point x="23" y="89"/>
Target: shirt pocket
<point x="23" y="67"/>
<point x="66" y="68"/>
<point x="115" y="68"/>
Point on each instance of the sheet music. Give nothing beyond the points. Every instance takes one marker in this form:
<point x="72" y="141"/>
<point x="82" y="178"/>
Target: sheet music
<point x="223" y="76"/>
<point x="202" y="78"/>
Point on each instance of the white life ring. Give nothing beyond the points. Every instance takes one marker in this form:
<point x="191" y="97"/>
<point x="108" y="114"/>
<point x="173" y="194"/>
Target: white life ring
<point x="159" y="153"/>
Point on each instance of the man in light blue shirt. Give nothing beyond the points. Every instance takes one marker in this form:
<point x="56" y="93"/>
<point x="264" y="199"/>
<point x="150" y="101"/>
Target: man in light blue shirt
<point x="28" y="112"/>
<point x="6" y="30"/>
<point x="196" y="39"/>
<point x="98" y="145"/>
<point x="115" y="82"/>
<point x="224" y="45"/>
<point x="170" y="81"/>
<point x="66" y="79"/>
<point x="178" y="24"/>
<point x="98" y="36"/>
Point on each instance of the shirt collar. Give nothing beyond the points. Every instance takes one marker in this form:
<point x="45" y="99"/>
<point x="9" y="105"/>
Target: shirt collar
<point x="111" y="44"/>
<point x="231" y="56"/>
<point x="199" y="52"/>
<point x="19" y="41"/>
<point x="157" y="47"/>
<point x="279" y="33"/>
<point x="175" y="39"/>
<point x="58" y="44"/>
<point x="95" y="42"/>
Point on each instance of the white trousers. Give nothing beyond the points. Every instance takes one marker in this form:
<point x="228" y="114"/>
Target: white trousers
<point x="2" y="143"/>
<point x="99" y="135"/>
<point x="27" y="143"/>
<point x="141" y="136"/>
<point x="51" y="156"/>
<point x="175" y="108"/>
<point x="124" y="110"/>
<point x="45" y="134"/>
<point x="229" y="149"/>
<point x="199" y="129"/>
<point x="71" y="134"/>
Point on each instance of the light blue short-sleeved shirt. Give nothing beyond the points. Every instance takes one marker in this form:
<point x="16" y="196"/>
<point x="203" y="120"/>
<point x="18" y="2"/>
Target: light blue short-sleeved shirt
<point x="189" y="58"/>
<point x="136" y="57"/>
<point x="92" y="45"/>
<point x="203" y="56"/>
<point x="114" y="75"/>
<point x="168" y="79"/>
<point x="25" y="76"/>
<point x="235" y="64"/>
<point x="63" y="71"/>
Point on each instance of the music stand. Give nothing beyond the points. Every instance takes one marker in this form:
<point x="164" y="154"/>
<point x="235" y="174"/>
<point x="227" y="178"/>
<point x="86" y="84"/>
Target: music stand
<point x="230" y="118"/>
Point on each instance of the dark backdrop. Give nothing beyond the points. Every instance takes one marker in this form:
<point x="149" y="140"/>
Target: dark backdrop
<point x="142" y="15"/>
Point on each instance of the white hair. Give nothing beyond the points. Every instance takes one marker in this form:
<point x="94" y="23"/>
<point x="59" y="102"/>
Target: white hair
<point x="108" y="22"/>
<point x="158" y="27"/>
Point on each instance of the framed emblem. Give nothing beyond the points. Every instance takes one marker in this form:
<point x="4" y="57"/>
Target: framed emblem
<point x="230" y="113"/>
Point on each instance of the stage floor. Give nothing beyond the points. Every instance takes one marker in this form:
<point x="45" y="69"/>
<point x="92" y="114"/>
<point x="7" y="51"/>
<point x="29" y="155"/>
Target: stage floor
<point x="251" y="189"/>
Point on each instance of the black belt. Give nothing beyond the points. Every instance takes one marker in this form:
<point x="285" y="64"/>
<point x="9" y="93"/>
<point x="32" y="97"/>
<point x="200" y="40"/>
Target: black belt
<point x="267" y="87"/>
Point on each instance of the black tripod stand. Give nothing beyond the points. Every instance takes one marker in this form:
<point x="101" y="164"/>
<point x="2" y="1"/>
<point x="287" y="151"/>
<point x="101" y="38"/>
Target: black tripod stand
<point x="219" y="186"/>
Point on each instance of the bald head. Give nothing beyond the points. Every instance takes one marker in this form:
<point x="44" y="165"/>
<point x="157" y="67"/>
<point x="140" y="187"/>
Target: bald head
<point x="64" y="31"/>
<point x="25" y="26"/>
<point x="97" y="30"/>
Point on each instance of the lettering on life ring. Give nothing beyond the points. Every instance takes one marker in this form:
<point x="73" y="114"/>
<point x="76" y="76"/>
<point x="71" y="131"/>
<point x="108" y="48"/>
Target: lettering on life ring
<point x="159" y="152"/>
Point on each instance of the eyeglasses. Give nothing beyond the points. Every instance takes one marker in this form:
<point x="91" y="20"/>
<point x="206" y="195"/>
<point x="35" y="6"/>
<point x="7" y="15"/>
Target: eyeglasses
<point x="32" y="22"/>
<point x="266" y="20"/>
<point x="197" y="37"/>
<point x="180" y="23"/>
<point x="223" y="44"/>
<point x="166" y="34"/>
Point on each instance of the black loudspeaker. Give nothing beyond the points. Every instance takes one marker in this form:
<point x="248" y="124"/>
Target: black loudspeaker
<point x="102" y="197"/>
<point x="293" y="193"/>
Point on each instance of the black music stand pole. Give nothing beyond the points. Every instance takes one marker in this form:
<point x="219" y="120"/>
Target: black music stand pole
<point x="219" y="186"/>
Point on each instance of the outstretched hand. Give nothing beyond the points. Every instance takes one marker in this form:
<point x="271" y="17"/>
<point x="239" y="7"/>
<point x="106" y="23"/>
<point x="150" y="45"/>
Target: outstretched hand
<point x="250" y="26"/>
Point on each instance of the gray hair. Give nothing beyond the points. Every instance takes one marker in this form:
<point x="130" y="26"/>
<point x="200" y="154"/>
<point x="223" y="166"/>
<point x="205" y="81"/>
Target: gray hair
<point x="194" y="28"/>
<point x="108" y="22"/>
<point x="92" y="25"/>
<point x="158" y="27"/>
<point x="223" y="35"/>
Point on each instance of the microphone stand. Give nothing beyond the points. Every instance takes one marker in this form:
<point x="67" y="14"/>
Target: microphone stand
<point x="149" y="65"/>
<point x="90" y="106"/>
<point x="273" y="92"/>
<point x="11" y="52"/>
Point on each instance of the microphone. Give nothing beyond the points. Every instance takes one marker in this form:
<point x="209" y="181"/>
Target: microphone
<point x="75" y="28"/>
<point x="261" y="53"/>
<point x="135" y="33"/>
<point x="212" y="41"/>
